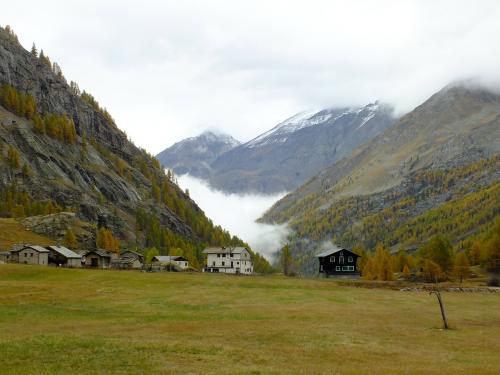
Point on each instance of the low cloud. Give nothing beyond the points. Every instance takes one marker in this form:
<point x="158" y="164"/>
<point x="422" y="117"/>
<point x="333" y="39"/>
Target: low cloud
<point x="167" y="70"/>
<point x="237" y="213"/>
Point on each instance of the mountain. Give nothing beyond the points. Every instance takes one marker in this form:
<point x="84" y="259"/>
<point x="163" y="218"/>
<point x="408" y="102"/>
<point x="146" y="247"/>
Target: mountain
<point x="194" y="155"/>
<point x="65" y="166"/>
<point x="394" y="188"/>
<point x="293" y="151"/>
<point x="285" y="156"/>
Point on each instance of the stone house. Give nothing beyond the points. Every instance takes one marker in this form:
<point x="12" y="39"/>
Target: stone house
<point x="5" y="256"/>
<point x="30" y="254"/>
<point x="128" y="260"/>
<point x="96" y="258"/>
<point x="62" y="256"/>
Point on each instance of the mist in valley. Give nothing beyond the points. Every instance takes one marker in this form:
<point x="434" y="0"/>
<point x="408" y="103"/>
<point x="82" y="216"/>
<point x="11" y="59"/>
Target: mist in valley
<point x="237" y="214"/>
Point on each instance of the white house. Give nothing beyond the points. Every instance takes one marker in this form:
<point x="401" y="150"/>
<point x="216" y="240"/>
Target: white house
<point x="164" y="260"/>
<point x="235" y="260"/>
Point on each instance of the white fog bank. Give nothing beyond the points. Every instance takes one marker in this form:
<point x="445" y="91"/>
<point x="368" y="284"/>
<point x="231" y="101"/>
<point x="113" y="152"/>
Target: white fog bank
<point x="237" y="213"/>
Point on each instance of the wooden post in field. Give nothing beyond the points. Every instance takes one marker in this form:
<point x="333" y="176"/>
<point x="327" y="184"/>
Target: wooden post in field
<point x="437" y="292"/>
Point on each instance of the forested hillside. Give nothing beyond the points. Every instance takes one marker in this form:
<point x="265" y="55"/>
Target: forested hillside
<point x="60" y="150"/>
<point x="435" y="172"/>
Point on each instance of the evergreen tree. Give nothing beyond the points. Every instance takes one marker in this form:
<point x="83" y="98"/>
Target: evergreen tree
<point x="369" y="270"/>
<point x="440" y="251"/>
<point x="13" y="158"/>
<point x="493" y="253"/>
<point x="383" y="263"/>
<point x="286" y="259"/>
<point x="431" y="270"/>
<point x="150" y="254"/>
<point x="401" y="260"/>
<point x="406" y="272"/>
<point x="70" y="239"/>
<point x="461" y="268"/>
<point x="34" y="51"/>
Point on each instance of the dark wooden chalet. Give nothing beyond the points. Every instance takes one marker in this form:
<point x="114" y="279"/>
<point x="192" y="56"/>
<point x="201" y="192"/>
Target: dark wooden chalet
<point x="338" y="262"/>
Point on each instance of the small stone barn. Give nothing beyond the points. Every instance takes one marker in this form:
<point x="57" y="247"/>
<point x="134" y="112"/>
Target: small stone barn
<point x="30" y="254"/>
<point x="5" y="256"/>
<point x="338" y="261"/>
<point x="129" y="254"/>
<point x="96" y="259"/>
<point x="64" y="257"/>
<point x="128" y="260"/>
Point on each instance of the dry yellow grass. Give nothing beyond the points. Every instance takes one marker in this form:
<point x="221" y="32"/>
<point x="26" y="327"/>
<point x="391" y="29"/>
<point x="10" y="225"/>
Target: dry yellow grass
<point x="105" y="322"/>
<point x="12" y="232"/>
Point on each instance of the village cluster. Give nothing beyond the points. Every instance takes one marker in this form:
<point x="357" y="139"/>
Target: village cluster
<point x="231" y="260"/>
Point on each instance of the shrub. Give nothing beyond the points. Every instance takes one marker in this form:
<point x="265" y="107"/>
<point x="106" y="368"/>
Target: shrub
<point x="494" y="281"/>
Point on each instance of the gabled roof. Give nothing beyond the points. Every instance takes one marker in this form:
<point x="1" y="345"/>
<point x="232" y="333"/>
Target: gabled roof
<point x="65" y="252"/>
<point x="168" y="258"/>
<point x="224" y="250"/>
<point x="101" y="253"/>
<point x="139" y="255"/>
<point x="334" y="250"/>
<point x="33" y="247"/>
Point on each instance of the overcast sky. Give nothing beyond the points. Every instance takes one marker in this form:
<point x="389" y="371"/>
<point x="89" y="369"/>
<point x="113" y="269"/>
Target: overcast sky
<point x="170" y="69"/>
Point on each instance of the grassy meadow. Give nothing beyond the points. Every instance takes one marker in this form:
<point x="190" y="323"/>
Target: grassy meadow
<point x="59" y="321"/>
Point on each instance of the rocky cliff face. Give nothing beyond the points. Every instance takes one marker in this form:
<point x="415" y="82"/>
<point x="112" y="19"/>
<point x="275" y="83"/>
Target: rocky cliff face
<point x="101" y="177"/>
<point x="195" y="155"/>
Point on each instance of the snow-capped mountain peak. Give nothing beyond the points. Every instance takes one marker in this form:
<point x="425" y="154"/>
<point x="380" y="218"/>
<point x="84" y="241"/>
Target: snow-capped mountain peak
<point x="358" y="116"/>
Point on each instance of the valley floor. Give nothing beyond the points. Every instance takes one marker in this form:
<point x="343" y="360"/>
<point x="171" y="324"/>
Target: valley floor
<point x="105" y="322"/>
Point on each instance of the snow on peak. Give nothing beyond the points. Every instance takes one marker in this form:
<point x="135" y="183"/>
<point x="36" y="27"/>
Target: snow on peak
<point x="302" y="120"/>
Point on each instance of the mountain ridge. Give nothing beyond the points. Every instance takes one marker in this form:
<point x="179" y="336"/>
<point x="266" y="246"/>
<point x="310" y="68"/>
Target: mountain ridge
<point x="295" y="149"/>
<point x="445" y="150"/>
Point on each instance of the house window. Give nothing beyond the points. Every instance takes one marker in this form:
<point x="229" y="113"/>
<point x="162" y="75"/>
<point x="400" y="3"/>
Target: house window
<point x="337" y="268"/>
<point x="345" y="268"/>
<point x="218" y="255"/>
<point x="25" y="255"/>
<point x="341" y="259"/>
<point x="321" y="268"/>
<point x="31" y="255"/>
<point x="349" y="259"/>
<point x="223" y="255"/>
<point x="231" y="255"/>
<point x="213" y="263"/>
<point x="238" y="263"/>
<point x="223" y="263"/>
<point x="332" y="259"/>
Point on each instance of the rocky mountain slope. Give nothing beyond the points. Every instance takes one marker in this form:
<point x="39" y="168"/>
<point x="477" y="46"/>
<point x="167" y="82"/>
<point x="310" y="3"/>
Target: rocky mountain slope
<point x="195" y="155"/>
<point x="443" y="152"/>
<point x="60" y="151"/>
<point x="289" y="154"/>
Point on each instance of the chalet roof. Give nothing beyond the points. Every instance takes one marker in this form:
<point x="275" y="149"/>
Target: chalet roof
<point x="168" y="258"/>
<point x="34" y="247"/>
<point x="65" y="252"/>
<point x="224" y="250"/>
<point x="123" y="254"/>
<point x="101" y="253"/>
<point x="334" y="250"/>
